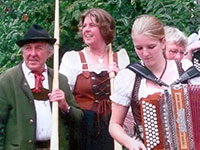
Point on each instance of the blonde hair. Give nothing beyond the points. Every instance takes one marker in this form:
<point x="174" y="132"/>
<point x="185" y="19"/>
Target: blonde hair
<point x="148" y="25"/>
<point x="105" y="22"/>
<point x="174" y="35"/>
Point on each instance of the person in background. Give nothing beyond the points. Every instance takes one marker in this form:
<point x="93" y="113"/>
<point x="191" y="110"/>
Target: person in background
<point x="178" y="46"/>
<point x="26" y="96"/>
<point x="176" y="43"/>
<point x="193" y="45"/>
<point x="88" y="73"/>
<point x="148" y="37"/>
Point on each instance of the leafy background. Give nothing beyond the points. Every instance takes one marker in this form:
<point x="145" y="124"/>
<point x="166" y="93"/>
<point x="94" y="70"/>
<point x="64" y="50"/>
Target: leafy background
<point x="18" y="15"/>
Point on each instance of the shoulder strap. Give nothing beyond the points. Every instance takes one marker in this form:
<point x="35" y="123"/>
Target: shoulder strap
<point x="190" y="73"/>
<point x="179" y="67"/>
<point x="83" y="60"/>
<point x="115" y="57"/>
<point x="84" y="65"/>
<point x="135" y="106"/>
<point x="145" y="73"/>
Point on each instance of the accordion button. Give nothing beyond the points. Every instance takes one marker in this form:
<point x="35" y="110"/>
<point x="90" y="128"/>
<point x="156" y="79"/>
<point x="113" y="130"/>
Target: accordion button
<point x="157" y="134"/>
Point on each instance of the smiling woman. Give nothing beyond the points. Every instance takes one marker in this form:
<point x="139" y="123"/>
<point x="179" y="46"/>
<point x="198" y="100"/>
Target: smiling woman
<point x="88" y="74"/>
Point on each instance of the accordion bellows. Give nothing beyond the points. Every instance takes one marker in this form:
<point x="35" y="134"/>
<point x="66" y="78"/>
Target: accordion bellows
<point x="171" y="121"/>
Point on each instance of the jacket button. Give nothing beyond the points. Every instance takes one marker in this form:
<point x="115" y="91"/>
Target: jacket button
<point x="30" y="141"/>
<point x="31" y="121"/>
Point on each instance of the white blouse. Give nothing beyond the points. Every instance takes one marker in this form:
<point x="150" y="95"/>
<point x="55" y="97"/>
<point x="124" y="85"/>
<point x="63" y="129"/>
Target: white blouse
<point x="71" y="65"/>
<point x="125" y="80"/>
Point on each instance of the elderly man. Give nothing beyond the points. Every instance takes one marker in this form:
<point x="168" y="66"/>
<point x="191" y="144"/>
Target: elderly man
<point x="26" y="96"/>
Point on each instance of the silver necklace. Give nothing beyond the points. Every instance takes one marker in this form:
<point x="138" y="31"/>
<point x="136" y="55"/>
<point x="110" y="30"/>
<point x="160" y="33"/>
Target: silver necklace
<point x="100" y="59"/>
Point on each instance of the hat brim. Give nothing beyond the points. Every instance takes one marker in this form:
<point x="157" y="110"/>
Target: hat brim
<point x="20" y="43"/>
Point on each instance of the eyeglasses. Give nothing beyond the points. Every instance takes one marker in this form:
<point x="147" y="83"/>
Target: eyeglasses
<point x="174" y="52"/>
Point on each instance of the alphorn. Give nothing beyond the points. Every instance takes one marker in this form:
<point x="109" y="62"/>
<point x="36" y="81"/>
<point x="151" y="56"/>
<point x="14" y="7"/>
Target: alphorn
<point x="54" y="144"/>
<point x="117" y="146"/>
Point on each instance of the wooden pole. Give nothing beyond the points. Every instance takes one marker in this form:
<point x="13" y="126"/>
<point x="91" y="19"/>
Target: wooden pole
<point x="54" y="144"/>
<point x="117" y="146"/>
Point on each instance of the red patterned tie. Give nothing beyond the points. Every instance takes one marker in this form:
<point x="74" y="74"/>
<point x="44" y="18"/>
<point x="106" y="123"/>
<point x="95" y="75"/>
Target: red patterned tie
<point x="38" y="81"/>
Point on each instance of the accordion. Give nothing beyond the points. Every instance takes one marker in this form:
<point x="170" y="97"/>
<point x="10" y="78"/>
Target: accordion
<point x="196" y="59"/>
<point x="171" y="120"/>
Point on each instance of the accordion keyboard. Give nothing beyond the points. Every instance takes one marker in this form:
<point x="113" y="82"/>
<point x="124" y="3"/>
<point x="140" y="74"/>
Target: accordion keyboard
<point x="196" y="63"/>
<point x="150" y="125"/>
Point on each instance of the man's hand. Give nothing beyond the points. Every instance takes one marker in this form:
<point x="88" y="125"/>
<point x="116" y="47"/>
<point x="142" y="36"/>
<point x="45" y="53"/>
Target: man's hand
<point x="59" y="96"/>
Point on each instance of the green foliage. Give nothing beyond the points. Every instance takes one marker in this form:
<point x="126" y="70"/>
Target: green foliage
<point x="17" y="16"/>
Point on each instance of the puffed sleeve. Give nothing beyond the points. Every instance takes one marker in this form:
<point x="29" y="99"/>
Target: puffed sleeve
<point x="71" y="67"/>
<point x="123" y="86"/>
<point x="123" y="58"/>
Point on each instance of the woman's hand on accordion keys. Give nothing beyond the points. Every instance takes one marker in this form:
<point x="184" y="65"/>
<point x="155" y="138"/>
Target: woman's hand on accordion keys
<point x="137" y="145"/>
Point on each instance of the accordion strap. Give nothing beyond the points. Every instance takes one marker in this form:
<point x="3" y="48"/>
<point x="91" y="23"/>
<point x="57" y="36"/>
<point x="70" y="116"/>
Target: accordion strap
<point x="144" y="72"/>
<point x="190" y="73"/>
<point x="179" y="67"/>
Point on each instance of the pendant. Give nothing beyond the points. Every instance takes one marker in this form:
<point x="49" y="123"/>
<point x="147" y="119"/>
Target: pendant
<point x="100" y="60"/>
